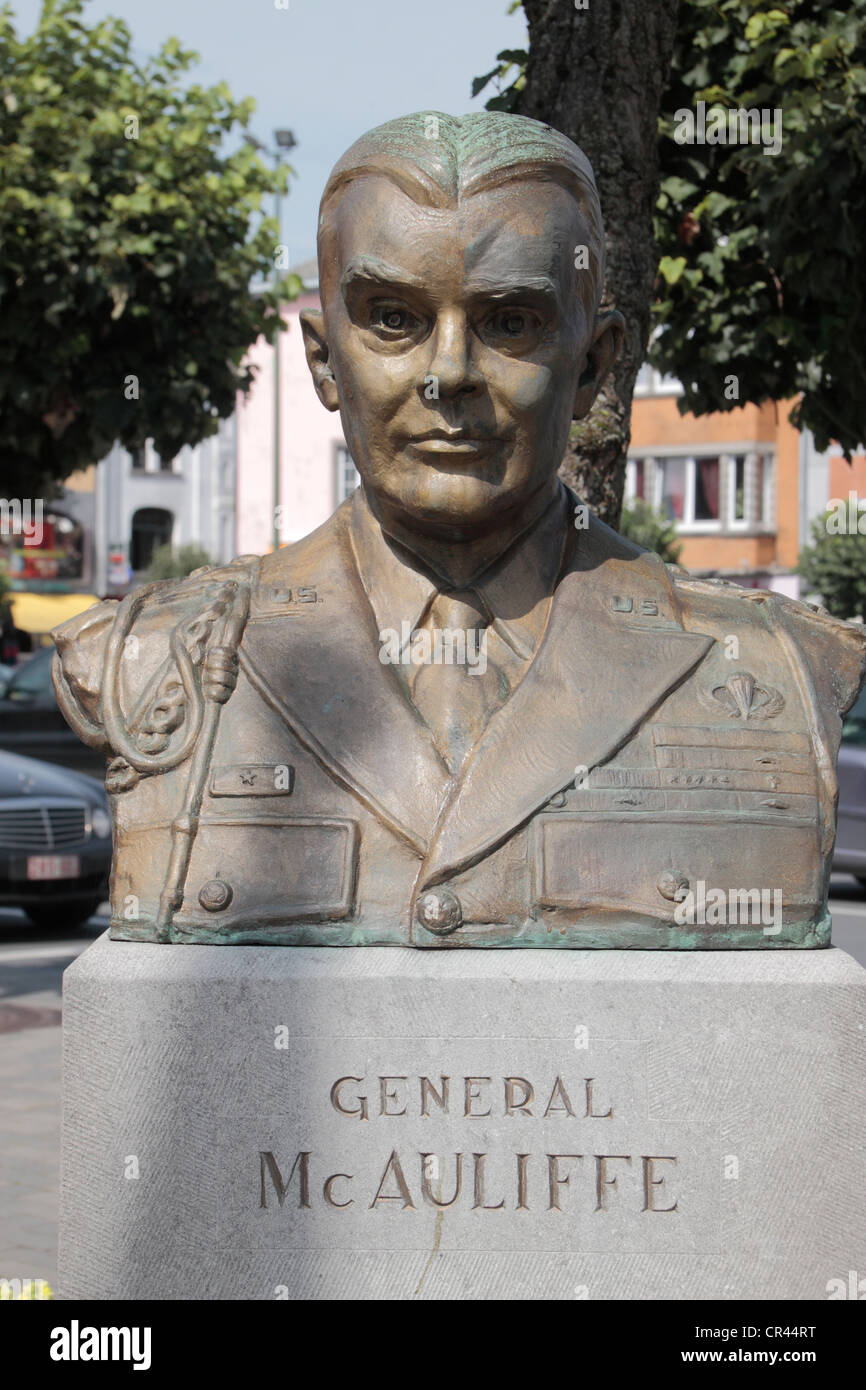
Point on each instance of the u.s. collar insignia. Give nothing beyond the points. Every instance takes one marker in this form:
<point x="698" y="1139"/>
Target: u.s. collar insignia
<point x="743" y="697"/>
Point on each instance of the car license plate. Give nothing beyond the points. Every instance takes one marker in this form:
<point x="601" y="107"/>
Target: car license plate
<point x="43" y="866"/>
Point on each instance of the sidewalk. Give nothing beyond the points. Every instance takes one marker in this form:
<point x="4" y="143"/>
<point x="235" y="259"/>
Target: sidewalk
<point x="30" y="1148"/>
<point x="30" y="1060"/>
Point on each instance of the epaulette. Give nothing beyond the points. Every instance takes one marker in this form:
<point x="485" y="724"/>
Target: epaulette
<point x="179" y="703"/>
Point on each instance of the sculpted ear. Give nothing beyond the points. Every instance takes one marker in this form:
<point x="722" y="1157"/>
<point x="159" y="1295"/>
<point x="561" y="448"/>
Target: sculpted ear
<point x="603" y="352"/>
<point x="316" y="348"/>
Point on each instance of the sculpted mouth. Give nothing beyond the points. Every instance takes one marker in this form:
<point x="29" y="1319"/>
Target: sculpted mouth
<point x="449" y="442"/>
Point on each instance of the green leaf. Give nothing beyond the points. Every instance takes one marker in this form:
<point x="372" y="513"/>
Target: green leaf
<point x="679" y="190"/>
<point x="761" y="24"/>
<point x="671" y="268"/>
<point x="479" y="83"/>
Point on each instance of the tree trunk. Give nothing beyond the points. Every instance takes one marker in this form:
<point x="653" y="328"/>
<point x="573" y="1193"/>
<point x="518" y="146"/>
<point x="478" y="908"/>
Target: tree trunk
<point x="598" y="74"/>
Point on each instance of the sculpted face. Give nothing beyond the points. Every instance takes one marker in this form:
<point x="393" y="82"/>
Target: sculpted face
<point x="458" y="343"/>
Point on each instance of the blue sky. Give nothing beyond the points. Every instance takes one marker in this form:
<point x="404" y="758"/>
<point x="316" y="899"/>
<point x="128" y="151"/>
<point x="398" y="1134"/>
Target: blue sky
<point x="327" y="69"/>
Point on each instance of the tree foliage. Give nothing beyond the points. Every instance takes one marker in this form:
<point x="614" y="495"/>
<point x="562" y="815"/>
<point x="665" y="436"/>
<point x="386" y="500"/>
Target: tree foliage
<point x="761" y="286"/>
<point x="651" y="529"/>
<point x="834" y="566"/>
<point x="762" y="273"/>
<point x="168" y="563"/>
<point x="129" y="243"/>
<point x="597" y="74"/>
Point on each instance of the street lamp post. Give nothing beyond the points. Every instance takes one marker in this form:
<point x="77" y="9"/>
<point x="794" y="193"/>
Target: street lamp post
<point x="284" y="140"/>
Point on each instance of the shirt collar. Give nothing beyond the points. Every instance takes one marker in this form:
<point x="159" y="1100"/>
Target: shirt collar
<point x="516" y="587"/>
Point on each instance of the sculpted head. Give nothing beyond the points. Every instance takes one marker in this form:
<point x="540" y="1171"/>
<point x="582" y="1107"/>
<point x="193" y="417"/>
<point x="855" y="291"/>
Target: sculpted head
<point x="461" y="262"/>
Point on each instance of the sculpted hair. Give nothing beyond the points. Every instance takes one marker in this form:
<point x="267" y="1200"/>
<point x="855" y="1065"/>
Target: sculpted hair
<point x="436" y="160"/>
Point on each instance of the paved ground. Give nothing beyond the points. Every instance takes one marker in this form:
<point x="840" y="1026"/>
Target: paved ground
<point x="31" y="966"/>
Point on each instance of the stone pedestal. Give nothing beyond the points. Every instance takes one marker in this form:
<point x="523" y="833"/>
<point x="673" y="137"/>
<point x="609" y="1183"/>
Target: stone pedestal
<point x="262" y="1123"/>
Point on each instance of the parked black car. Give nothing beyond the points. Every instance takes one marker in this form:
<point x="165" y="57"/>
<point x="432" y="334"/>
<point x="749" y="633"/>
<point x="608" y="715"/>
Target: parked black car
<point x="31" y="723"/>
<point x="55" y="842"/>
<point x="850" y="855"/>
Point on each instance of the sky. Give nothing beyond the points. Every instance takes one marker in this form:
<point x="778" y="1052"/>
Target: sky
<point x="326" y="69"/>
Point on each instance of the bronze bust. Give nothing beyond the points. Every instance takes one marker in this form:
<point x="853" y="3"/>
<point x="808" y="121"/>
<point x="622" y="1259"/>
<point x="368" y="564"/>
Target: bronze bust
<point x="463" y="712"/>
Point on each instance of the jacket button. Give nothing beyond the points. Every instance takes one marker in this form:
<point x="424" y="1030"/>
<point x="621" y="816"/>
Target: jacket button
<point x="673" y="885"/>
<point x="439" y="911"/>
<point x="215" y="895"/>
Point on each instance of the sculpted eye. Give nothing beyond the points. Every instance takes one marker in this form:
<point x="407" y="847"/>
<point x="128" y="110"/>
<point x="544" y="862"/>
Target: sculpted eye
<point x="513" y="323"/>
<point x="513" y="327"/>
<point x="393" y="320"/>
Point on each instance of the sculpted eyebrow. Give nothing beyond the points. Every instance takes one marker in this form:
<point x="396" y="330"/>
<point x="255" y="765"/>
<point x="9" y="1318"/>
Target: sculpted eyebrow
<point x="367" y="270"/>
<point x="538" y="287"/>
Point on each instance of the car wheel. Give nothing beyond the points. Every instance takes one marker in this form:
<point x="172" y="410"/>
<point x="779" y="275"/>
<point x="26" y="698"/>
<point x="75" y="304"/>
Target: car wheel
<point x="54" y="915"/>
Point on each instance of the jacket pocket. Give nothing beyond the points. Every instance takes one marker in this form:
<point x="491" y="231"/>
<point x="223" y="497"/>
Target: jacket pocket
<point x="646" y="863"/>
<point x="255" y="870"/>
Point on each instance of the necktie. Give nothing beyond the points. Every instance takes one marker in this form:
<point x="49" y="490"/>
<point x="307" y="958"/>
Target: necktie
<point x="452" y="681"/>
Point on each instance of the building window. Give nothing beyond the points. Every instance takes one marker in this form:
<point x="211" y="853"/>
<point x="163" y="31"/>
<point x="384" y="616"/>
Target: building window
<point x="348" y="477"/>
<point x="706" y="492"/>
<point x="740" y="488"/>
<point x="763" y="496"/>
<point x="637" y="472"/>
<point x="706" y="479"/>
<point x="671" y="479"/>
<point x="151" y="527"/>
<point x="751" y="487"/>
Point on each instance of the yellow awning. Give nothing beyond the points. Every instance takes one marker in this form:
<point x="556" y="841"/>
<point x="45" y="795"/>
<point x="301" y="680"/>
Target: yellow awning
<point x="39" y="613"/>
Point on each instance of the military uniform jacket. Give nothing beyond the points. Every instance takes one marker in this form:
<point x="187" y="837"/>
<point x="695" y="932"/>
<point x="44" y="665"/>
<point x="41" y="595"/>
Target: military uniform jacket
<point x="271" y="782"/>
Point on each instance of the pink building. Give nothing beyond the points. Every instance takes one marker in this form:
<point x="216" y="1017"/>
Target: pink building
<point x="316" y="472"/>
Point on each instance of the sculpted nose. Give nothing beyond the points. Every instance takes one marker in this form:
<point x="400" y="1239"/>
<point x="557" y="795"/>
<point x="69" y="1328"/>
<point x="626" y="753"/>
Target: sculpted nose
<point x="452" y="365"/>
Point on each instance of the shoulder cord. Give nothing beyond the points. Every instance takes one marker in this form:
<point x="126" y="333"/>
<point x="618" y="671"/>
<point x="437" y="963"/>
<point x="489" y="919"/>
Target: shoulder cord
<point x="219" y="678"/>
<point x="117" y="732"/>
<point x="91" y="734"/>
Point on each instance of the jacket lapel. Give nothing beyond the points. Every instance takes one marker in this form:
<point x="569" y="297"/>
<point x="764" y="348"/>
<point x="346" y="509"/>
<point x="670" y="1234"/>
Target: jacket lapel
<point x="315" y="661"/>
<point x="613" y="649"/>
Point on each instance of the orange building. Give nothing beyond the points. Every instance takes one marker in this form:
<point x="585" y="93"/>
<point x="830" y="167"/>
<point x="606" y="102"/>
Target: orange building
<point x="742" y="486"/>
<point x="846" y="478"/>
